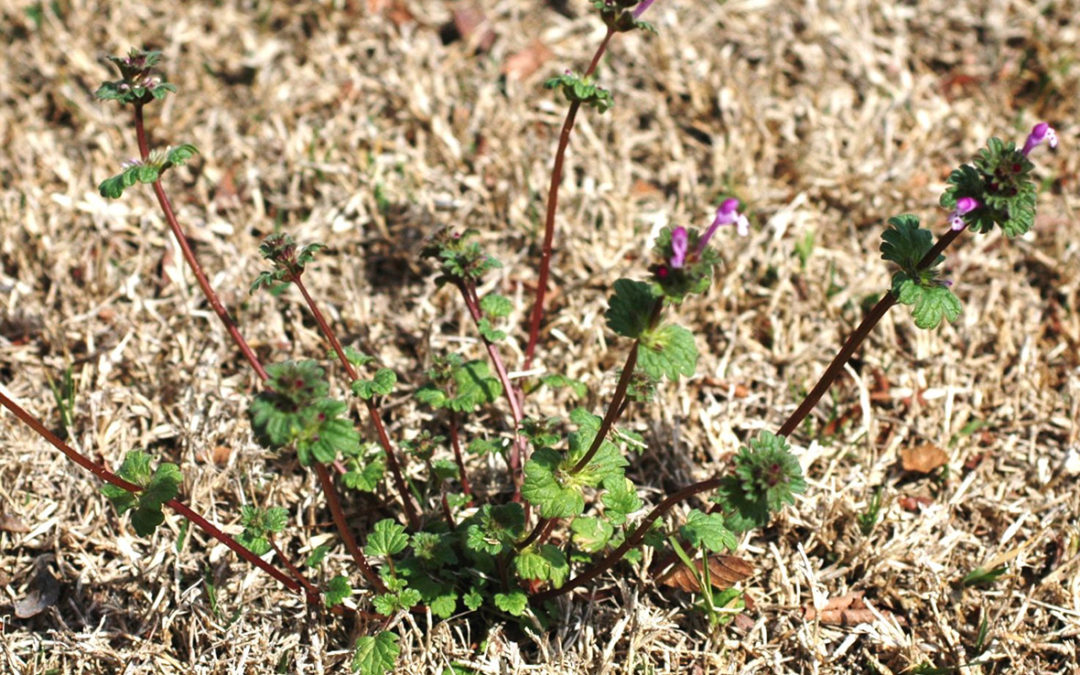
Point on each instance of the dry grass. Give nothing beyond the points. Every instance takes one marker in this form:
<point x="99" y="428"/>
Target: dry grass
<point x="348" y="127"/>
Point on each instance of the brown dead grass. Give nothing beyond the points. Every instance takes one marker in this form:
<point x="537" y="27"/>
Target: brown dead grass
<point x="367" y="131"/>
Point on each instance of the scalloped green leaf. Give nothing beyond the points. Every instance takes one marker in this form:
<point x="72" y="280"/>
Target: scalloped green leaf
<point x="668" y="351"/>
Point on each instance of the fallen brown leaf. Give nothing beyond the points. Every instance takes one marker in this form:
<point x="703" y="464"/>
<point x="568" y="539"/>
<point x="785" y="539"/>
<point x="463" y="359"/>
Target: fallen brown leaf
<point x="923" y="458"/>
<point x="473" y="27"/>
<point x="526" y="62"/>
<point x="847" y="610"/>
<point x="724" y="572"/>
<point x="9" y="523"/>
<point x="42" y="593"/>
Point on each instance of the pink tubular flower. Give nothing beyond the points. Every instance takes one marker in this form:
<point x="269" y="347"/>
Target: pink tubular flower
<point x="640" y="9"/>
<point x="727" y="214"/>
<point x="964" y="206"/>
<point x="678" y="248"/>
<point x="1039" y="133"/>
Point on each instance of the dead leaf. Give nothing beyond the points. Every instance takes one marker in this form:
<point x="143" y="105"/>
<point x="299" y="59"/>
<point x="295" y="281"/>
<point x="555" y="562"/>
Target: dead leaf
<point x="923" y="458"/>
<point x="9" y="523"/>
<point x="847" y="610"/>
<point x="724" y="572"/>
<point x="526" y="62"/>
<point x="913" y="503"/>
<point x="42" y="593"/>
<point x="473" y="26"/>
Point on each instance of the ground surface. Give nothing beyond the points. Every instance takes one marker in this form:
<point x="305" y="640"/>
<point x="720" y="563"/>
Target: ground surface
<point x="369" y="129"/>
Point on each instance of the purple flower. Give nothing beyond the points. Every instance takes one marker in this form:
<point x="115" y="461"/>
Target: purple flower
<point x="964" y="206"/>
<point x="727" y="214"/>
<point x="1039" y="133"/>
<point x="640" y="9"/>
<point x="678" y="248"/>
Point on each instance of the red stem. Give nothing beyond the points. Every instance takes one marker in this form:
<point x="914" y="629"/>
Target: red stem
<point x="372" y="408"/>
<point x="455" y="443"/>
<point x="297" y="574"/>
<point x="189" y="255"/>
<point x="518" y="449"/>
<point x="111" y="478"/>
<point x="552" y="205"/>
<point x="346" y="534"/>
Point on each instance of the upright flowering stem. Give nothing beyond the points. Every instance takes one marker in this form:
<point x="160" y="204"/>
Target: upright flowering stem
<point x="372" y="409"/>
<point x="552" y="205"/>
<point x="189" y="255"/>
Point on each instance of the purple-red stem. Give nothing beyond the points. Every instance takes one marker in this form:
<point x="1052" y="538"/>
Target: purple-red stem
<point x="189" y="255"/>
<point x="455" y="443"/>
<point x="291" y="567"/>
<point x="552" y="205"/>
<point x="185" y="511"/>
<point x="792" y="423"/>
<point x="373" y="410"/>
<point x="343" y="527"/>
<point x="517" y="450"/>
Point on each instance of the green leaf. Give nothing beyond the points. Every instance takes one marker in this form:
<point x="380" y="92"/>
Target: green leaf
<point x="495" y="528"/>
<point x="620" y="499"/>
<point x="496" y="305"/>
<point x="180" y="154"/>
<point x="136" y="468"/>
<point x="444" y="605"/>
<point x="276" y="519"/>
<point x="121" y="499"/>
<point x="473" y="599"/>
<point x="382" y="384"/>
<point x="444" y="469"/>
<point x="163" y="486"/>
<point x="930" y="303"/>
<point x="548" y="563"/>
<point x="158" y="488"/>
<point x="489" y="333"/>
<point x="355" y="357"/>
<point x="337" y="590"/>
<point x="514" y="602"/>
<point x="365" y="476"/>
<point x="376" y="655"/>
<point x="708" y="530"/>
<point x="981" y="576"/>
<point x="315" y="558"/>
<point x="475" y="386"/>
<point x="387" y="538"/>
<point x="484" y="446"/>
<point x="432" y="396"/>
<point x="545" y="489"/>
<point x="145" y="521"/>
<point x="325" y="433"/>
<point x="556" y="381"/>
<point x="669" y="351"/>
<point x="591" y="534"/>
<point x="630" y="309"/>
<point x="905" y="243"/>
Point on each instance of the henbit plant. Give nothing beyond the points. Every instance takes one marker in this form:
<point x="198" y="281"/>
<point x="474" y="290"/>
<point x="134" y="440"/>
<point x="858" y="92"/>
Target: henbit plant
<point x="510" y="547"/>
